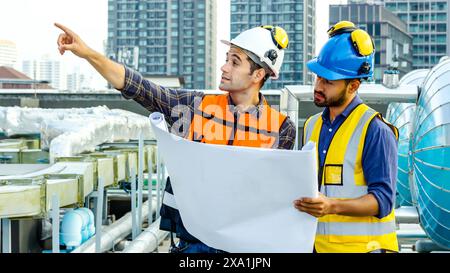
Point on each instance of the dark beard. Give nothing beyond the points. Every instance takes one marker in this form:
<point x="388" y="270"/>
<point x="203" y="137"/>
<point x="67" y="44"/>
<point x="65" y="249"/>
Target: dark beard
<point x="333" y="102"/>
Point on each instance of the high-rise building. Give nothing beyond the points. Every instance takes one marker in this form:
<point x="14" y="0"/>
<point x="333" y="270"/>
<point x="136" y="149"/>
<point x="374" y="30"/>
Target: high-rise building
<point x="76" y="82"/>
<point x="8" y="53"/>
<point x="31" y="69"/>
<point x="165" y="38"/>
<point x="393" y="44"/>
<point x="297" y="17"/>
<point x="376" y="2"/>
<point x="428" y="22"/>
<point x="47" y="70"/>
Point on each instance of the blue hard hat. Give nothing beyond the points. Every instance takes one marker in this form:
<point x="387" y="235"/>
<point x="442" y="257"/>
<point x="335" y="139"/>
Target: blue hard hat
<point x="340" y="59"/>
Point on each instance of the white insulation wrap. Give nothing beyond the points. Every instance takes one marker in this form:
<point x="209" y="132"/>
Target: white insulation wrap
<point x="67" y="132"/>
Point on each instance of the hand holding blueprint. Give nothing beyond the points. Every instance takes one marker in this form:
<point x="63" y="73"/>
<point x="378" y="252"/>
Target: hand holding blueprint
<point x="240" y="199"/>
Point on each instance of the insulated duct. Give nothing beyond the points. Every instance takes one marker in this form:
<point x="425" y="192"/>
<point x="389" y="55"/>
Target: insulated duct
<point x="414" y="77"/>
<point x="431" y="154"/>
<point x="401" y="115"/>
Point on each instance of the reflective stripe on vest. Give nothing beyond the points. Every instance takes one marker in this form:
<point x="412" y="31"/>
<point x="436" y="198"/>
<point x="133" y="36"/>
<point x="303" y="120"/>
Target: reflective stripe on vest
<point x="343" y="178"/>
<point x="355" y="228"/>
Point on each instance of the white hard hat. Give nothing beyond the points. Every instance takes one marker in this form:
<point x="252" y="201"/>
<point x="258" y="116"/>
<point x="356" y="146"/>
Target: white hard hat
<point x="267" y="43"/>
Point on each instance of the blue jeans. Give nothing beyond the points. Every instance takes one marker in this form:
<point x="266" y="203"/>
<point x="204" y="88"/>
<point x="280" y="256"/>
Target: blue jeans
<point x="198" y="247"/>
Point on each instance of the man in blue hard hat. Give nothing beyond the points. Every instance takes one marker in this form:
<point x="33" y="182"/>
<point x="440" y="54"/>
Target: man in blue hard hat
<point x="357" y="151"/>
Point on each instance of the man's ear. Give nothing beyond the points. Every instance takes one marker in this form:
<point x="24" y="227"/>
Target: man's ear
<point x="353" y="86"/>
<point x="258" y="75"/>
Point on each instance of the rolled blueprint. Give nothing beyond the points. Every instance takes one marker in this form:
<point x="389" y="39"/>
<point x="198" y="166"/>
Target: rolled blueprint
<point x="157" y="119"/>
<point x="228" y="207"/>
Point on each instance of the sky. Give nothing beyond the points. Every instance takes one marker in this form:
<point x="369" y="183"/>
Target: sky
<point x="29" y="23"/>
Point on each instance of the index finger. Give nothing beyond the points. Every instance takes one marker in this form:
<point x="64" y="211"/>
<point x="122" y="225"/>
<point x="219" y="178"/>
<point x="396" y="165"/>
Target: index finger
<point x="65" y="29"/>
<point x="311" y="200"/>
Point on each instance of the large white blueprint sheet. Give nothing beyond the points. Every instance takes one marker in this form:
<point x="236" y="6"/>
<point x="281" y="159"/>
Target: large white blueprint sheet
<point x="240" y="199"/>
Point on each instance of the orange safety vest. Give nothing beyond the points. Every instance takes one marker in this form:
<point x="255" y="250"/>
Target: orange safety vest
<point x="215" y="122"/>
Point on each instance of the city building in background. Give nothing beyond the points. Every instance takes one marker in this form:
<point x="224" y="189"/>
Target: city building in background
<point x="167" y="81"/>
<point x="376" y="2"/>
<point x="297" y="17"/>
<point x="76" y="82"/>
<point x="393" y="44"/>
<point x="166" y="38"/>
<point x="428" y="23"/>
<point x="46" y="69"/>
<point x="8" y="53"/>
<point x="13" y="79"/>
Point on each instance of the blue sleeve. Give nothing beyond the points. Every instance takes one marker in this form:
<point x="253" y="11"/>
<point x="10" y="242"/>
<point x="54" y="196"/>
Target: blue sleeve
<point x="380" y="165"/>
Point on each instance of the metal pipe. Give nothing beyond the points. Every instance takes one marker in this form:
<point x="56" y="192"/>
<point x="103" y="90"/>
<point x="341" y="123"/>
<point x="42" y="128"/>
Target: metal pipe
<point x="140" y="181"/>
<point x="158" y="183"/>
<point x="150" y="186"/>
<point x="111" y="234"/>
<point x="6" y="235"/>
<point x="133" y="205"/>
<point x="99" y="216"/>
<point x="426" y="246"/>
<point x="369" y="93"/>
<point x="406" y="215"/>
<point x="55" y="223"/>
<point x="289" y="104"/>
<point x="148" y="240"/>
<point x="410" y="235"/>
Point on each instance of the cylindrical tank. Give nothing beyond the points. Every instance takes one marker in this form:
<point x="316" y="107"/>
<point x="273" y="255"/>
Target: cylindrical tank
<point x="71" y="227"/>
<point x="91" y="224"/>
<point x="84" y="229"/>
<point x="414" y="77"/>
<point x="77" y="227"/>
<point x="431" y="154"/>
<point x="401" y="115"/>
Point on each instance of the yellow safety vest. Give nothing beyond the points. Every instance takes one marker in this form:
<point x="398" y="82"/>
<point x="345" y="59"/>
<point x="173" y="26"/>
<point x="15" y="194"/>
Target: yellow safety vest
<point x="343" y="178"/>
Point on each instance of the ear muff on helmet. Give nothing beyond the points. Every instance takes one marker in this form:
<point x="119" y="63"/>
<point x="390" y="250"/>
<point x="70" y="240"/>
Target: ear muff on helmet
<point x="341" y="27"/>
<point x="279" y="36"/>
<point x="362" y="42"/>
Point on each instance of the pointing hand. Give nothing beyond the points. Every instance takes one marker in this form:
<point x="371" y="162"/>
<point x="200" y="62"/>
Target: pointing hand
<point x="70" y="41"/>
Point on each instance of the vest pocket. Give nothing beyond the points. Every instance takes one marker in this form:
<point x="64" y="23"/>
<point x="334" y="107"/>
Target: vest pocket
<point x="334" y="175"/>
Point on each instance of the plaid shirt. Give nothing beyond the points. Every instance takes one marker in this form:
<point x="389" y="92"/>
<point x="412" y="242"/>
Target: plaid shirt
<point x="178" y="105"/>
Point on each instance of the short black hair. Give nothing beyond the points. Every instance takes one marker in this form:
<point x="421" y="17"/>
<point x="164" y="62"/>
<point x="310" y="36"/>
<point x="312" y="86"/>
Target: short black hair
<point x="347" y="81"/>
<point x="254" y="66"/>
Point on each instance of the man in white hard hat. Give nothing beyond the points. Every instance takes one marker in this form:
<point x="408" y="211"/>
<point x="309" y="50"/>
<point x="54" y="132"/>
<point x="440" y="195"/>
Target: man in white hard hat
<point x="241" y="117"/>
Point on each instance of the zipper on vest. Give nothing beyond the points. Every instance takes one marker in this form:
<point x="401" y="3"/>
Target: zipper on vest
<point x="234" y="132"/>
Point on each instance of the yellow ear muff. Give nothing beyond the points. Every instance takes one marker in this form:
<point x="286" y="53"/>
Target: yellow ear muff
<point x="362" y="42"/>
<point x="341" y="27"/>
<point x="281" y="36"/>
